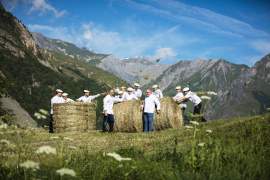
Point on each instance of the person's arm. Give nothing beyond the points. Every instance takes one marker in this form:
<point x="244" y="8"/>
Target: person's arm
<point x="94" y="97"/>
<point x="157" y="104"/>
<point x="161" y="94"/>
<point x="105" y="106"/>
<point x="79" y="99"/>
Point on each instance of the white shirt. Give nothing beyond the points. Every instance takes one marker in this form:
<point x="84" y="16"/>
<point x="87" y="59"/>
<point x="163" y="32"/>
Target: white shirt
<point x="129" y="96"/>
<point x="177" y="97"/>
<point x="108" y="102"/>
<point x="158" y="93"/>
<point x="68" y="100"/>
<point x="56" y="100"/>
<point x="150" y="102"/>
<point x="88" y="99"/>
<point x="193" y="98"/>
<point x="138" y="93"/>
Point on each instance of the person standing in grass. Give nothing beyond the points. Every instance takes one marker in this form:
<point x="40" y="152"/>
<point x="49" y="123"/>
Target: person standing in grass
<point x="196" y="100"/>
<point x="55" y="100"/>
<point x="150" y="104"/>
<point x="108" y="103"/>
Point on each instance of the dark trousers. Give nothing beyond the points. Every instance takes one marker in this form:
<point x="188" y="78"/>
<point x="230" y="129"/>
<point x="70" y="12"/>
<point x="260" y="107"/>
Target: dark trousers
<point x="197" y="109"/>
<point x="51" y="124"/>
<point x="109" y="119"/>
<point x="148" y="122"/>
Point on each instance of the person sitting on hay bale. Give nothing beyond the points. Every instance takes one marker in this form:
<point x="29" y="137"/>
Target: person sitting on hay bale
<point x="157" y="91"/>
<point x="86" y="98"/>
<point x="137" y="91"/>
<point x="149" y="105"/>
<point x="55" y="100"/>
<point x="108" y="103"/>
<point x="129" y="95"/>
<point x="66" y="99"/>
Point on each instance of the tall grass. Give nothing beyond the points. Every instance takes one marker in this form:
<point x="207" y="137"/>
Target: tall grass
<point x="231" y="149"/>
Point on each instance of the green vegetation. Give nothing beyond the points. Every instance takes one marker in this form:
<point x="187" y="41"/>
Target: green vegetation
<point x="224" y="149"/>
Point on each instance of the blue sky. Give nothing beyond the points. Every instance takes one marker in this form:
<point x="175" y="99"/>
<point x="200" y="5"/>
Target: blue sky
<point x="235" y="30"/>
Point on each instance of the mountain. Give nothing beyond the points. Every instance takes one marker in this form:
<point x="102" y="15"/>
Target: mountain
<point x="133" y="69"/>
<point x="29" y="74"/>
<point x="241" y="90"/>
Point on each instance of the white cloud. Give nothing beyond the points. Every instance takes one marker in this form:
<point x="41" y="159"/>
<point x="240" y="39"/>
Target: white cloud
<point x="261" y="46"/>
<point x="42" y="6"/>
<point x="162" y="53"/>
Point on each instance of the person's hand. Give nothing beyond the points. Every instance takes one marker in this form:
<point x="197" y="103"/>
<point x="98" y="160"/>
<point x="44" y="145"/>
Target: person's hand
<point x="103" y="94"/>
<point x="141" y="108"/>
<point x="158" y="111"/>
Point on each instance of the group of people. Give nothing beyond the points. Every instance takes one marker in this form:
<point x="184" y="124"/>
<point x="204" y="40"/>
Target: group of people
<point x="150" y="103"/>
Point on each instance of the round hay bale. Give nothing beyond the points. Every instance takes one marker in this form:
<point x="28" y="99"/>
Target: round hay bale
<point x="170" y="115"/>
<point x="75" y="116"/>
<point x="129" y="118"/>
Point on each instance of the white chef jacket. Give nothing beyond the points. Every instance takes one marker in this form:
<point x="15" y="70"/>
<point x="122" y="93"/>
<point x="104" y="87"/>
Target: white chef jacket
<point x="193" y="98"/>
<point x="177" y="97"/>
<point x="158" y="93"/>
<point x="128" y="97"/>
<point x="138" y="93"/>
<point x="150" y="103"/>
<point x="108" y="102"/>
<point x="56" y="100"/>
<point x="68" y="100"/>
<point x="88" y="99"/>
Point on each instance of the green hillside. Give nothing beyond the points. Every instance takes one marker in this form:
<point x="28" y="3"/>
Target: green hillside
<point x="226" y="149"/>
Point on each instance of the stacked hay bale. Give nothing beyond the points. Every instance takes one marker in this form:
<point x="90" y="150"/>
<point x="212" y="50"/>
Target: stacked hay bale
<point x="128" y="117"/>
<point x="74" y="117"/>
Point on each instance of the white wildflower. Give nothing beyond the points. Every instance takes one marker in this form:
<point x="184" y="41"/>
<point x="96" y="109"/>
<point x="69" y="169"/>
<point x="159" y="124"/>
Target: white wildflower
<point x="211" y="93"/>
<point x="206" y="97"/>
<point x="43" y="117"/>
<point x="37" y="115"/>
<point x="68" y="139"/>
<point x="66" y="171"/>
<point x="209" y="131"/>
<point x="46" y="150"/>
<point x="3" y="126"/>
<point x="118" y="157"/>
<point x="30" y="165"/>
<point x="44" y="112"/>
<point x="189" y="127"/>
<point x="201" y="144"/>
<point x="72" y="147"/>
<point x="194" y="123"/>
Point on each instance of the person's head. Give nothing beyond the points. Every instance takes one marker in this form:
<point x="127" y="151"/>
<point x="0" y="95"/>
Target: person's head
<point x="155" y="87"/>
<point x="136" y="85"/>
<point x="59" y="92"/>
<point x="186" y="90"/>
<point x="120" y="93"/>
<point x="111" y="92"/>
<point x="178" y="88"/>
<point x="148" y="92"/>
<point x="123" y="88"/>
<point x="86" y="92"/>
<point x="65" y="95"/>
<point x="129" y="90"/>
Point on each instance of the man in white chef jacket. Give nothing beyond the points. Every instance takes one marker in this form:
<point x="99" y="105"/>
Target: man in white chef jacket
<point x="150" y="104"/>
<point x="157" y="91"/>
<point x="55" y="100"/>
<point x="129" y="95"/>
<point x="86" y="98"/>
<point x="137" y="91"/>
<point x="108" y="103"/>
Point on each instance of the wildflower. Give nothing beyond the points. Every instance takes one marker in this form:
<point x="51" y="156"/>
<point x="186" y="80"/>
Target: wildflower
<point x="44" y="112"/>
<point x="72" y="147"/>
<point x="189" y="127"/>
<point x="46" y="150"/>
<point x="30" y="165"/>
<point x="68" y="139"/>
<point x="211" y="93"/>
<point x="206" y="97"/>
<point x="194" y="123"/>
<point x="66" y="171"/>
<point x="3" y="126"/>
<point x="209" y="131"/>
<point x="201" y="144"/>
<point x="118" y="157"/>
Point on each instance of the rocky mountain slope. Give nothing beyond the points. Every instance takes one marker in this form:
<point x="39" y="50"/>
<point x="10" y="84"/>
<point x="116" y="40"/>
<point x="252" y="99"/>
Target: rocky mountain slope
<point x="241" y="90"/>
<point x="29" y="75"/>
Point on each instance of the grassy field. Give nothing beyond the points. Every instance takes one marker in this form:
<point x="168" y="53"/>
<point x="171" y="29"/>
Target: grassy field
<point x="226" y="149"/>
